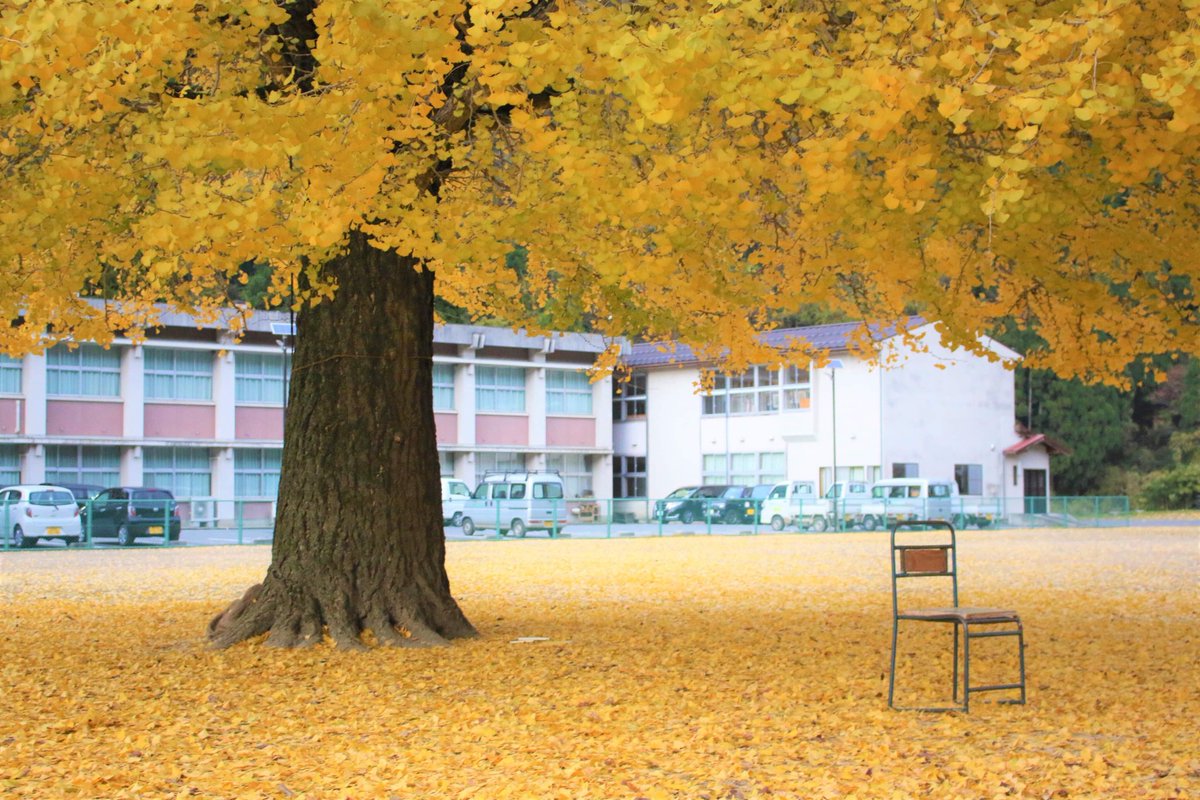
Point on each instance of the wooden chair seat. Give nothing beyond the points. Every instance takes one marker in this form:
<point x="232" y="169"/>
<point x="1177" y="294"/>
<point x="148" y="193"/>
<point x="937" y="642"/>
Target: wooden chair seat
<point x="962" y="614"/>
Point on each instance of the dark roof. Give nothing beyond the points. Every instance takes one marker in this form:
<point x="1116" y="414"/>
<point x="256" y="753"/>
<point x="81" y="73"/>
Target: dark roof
<point x="834" y="337"/>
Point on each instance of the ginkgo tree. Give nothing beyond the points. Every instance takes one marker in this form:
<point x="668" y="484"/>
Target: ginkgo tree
<point x="674" y="169"/>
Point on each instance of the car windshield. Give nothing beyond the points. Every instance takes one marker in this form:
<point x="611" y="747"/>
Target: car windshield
<point x="150" y="494"/>
<point x="760" y="492"/>
<point x="686" y="491"/>
<point x="51" y="497"/>
<point x="734" y="491"/>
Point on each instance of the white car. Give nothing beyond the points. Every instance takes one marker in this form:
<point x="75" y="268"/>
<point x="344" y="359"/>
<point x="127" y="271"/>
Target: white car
<point x="455" y="495"/>
<point x="29" y="513"/>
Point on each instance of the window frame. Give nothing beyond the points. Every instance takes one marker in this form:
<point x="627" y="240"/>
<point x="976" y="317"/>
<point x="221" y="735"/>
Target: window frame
<point x="262" y="472"/>
<point x="490" y="392"/>
<point x="65" y="364"/>
<point x="263" y="379"/>
<point x="759" y="390"/>
<point x="11" y="372"/>
<point x="176" y="377"/>
<point x="630" y="397"/>
<point x="565" y="393"/>
<point x="629" y="476"/>
<point x="92" y="464"/>
<point x="443" y="389"/>
<point x="153" y="475"/>
<point x="969" y="476"/>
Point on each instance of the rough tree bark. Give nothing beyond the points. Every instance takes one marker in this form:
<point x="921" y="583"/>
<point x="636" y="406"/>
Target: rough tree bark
<point x="359" y="544"/>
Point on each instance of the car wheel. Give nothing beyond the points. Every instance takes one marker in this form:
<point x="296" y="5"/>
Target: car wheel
<point x="70" y="540"/>
<point x="457" y="519"/>
<point x="960" y="521"/>
<point x="819" y="524"/>
<point x="125" y="536"/>
<point x="517" y="528"/>
<point x="468" y="526"/>
<point x="731" y="516"/>
<point x="20" y="540"/>
<point x="777" y="523"/>
<point x="687" y="517"/>
<point x="868" y="523"/>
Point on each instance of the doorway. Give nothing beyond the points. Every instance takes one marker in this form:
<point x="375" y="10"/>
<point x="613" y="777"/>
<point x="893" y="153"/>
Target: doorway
<point x="1035" y="491"/>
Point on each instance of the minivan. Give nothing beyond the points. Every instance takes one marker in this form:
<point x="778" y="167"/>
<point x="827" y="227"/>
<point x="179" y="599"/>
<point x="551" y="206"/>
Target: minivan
<point x="514" y="502"/>
<point x="899" y="499"/>
<point x="455" y="494"/>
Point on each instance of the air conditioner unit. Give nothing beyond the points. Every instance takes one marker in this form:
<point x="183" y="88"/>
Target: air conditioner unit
<point x="203" y="512"/>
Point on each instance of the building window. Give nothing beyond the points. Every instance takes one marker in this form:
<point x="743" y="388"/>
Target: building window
<point x="446" y="464"/>
<point x="568" y="392"/>
<point x="573" y="468"/>
<point x="260" y="378"/>
<point x="905" y="471"/>
<point x="10" y="375"/>
<point x="443" y="387"/>
<point x="796" y="385"/>
<point x="759" y="390"/>
<point x="256" y="472"/>
<point x="87" y="371"/>
<point x="745" y="469"/>
<point x="186" y="472"/>
<point x="68" y="463"/>
<point x="772" y="468"/>
<point x="10" y="465"/>
<point x="629" y="397"/>
<point x="499" y="389"/>
<point x="629" y="476"/>
<point x="969" y="478"/>
<point x="498" y="462"/>
<point x="178" y="374"/>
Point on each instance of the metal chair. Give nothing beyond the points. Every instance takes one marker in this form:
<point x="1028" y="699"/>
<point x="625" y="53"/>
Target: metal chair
<point x="935" y="557"/>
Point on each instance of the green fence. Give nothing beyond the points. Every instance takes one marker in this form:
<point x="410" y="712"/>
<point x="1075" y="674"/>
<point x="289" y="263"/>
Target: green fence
<point x="252" y="521"/>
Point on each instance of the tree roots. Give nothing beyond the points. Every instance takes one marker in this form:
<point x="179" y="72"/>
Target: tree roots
<point x="292" y="622"/>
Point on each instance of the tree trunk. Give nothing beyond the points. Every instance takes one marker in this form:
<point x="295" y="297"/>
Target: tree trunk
<point x="359" y="550"/>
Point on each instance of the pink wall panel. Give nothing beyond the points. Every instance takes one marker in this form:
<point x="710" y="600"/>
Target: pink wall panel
<point x="447" y="428"/>
<point x="173" y="421"/>
<point x="84" y="418"/>
<point x="571" y="431"/>
<point x="501" y="430"/>
<point x="252" y="422"/>
<point x="10" y="415"/>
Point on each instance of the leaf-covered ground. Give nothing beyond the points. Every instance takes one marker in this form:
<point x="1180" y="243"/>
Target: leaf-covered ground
<point x="685" y="667"/>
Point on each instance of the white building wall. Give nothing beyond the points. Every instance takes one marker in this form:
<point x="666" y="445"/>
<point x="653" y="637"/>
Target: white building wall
<point x="943" y="408"/>
<point x="673" y="430"/>
<point x="133" y="391"/>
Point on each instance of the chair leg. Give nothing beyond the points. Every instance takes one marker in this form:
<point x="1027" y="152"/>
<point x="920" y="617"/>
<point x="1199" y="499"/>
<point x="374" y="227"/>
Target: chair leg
<point x="1021" y="654"/>
<point x="966" y="706"/>
<point x="892" y="671"/>
<point x="954" y="692"/>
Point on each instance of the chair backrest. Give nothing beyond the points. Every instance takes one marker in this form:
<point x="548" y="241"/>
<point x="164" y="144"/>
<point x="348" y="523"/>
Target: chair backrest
<point x="924" y="548"/>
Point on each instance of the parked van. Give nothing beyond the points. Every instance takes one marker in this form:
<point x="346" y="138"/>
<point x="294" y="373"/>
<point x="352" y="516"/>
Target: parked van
<point x="899" y="499"/>
<point x="794" y="503"/>
<point x="455" y="494"/>
<point x="846" y="500"/>
<point x="515" y="502"/>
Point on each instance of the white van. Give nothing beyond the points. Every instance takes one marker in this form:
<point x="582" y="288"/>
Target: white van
<point x="794" y="503"/>
<point x="901" y="499"/>
<point x="515" y="502"/>
<point x="455" y="494"/>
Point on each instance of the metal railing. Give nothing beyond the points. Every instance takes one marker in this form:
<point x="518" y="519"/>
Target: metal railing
<point x="252" y="521"/>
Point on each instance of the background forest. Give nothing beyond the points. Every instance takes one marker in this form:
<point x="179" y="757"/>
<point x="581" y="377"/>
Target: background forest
<point x="1143" y="442"/>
